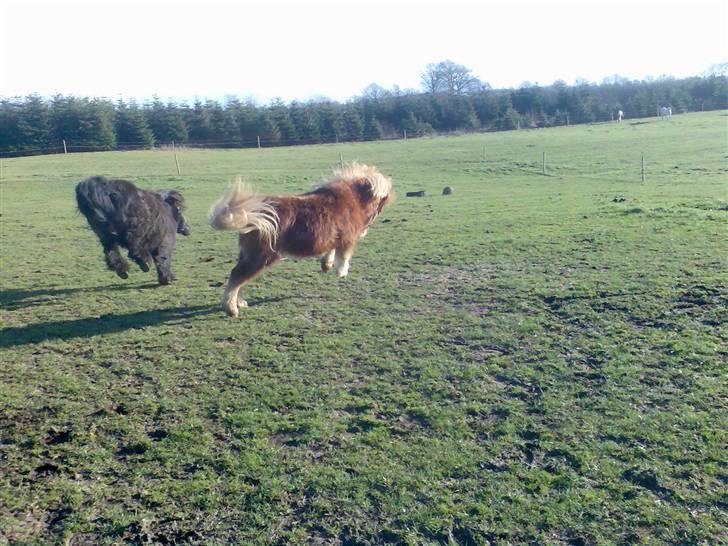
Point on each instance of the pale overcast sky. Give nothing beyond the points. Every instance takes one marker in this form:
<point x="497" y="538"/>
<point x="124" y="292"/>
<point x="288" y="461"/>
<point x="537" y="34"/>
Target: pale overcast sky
<point x="299" y="50"/>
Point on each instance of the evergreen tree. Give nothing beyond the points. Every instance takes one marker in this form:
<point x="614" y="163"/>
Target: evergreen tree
<point x="9" y="133"/>
<point x="131" y="126"/>
<point x="410" y="125"/>
<point x="281" y="117"/>
<point x="306" y="121"/>
<point x="353" y="124"/>
<point x="373" y="129"/>
<point x="199" y="125"/>
<point x="266" y="128"/>
<point x="96" y="129"/>
<point x="225" y="130"/>
<point x="331" y="124"/>
<point x="166" y="122"/>
<point x="34" y="125"/>
<point x="247" y="117"/>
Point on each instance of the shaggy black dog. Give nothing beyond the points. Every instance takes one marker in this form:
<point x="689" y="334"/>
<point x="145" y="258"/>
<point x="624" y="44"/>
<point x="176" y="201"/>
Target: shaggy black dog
<point x="142" y="221"/>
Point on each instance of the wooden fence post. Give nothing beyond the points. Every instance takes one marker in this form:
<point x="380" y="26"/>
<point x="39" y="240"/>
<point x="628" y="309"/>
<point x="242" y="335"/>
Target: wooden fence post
<point x="643" y="167"/>
<point x="65" y="150"/>
<point x="543" y="163"/>
<point x="176" y="160"/>
<point x="259" y="142"/>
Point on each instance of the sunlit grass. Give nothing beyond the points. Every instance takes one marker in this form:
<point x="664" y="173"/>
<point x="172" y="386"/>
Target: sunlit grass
<point x="532" y="359"/>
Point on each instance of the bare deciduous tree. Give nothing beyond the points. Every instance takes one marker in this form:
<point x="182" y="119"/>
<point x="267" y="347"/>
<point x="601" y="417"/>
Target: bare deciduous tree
<point x="449" y="77"/>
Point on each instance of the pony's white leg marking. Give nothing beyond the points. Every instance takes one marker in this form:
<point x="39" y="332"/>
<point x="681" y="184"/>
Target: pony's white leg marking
<point x="230" y="301"/>
<point x="327" y="260"/>
<point x="341" y="262"/>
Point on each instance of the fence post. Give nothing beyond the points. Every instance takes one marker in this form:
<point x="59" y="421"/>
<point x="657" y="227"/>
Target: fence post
<point x="405" y="134"/>
<point x="177" y="163"/>
<point x="65" y="151"/>
<point x="341" y="160"/>
<point x="543" y="163"/>
<point x="483" y="153"/>
<point x="643" y="167"/>
<point x="259" y="142"/>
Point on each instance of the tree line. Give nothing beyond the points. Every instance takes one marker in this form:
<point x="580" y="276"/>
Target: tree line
<point x="451" y="99"/>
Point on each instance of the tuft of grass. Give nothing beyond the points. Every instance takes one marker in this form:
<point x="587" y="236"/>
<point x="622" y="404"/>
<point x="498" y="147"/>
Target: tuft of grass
<point x="523" y="361"/>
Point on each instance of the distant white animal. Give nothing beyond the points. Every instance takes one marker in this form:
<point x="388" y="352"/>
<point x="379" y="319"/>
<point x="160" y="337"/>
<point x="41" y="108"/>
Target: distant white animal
<point x="666" y="112"/>
<point x="620" y="115"/>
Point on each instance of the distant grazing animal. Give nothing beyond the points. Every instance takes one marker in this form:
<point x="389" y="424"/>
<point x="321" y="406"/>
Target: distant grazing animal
<point x="144" y="222"/>
<point x="666" y="112"/>
<point x="620" y="115"/>
<point x="326" y="222"/>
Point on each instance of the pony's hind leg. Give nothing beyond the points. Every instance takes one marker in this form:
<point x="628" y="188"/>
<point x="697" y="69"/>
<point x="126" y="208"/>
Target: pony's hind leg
<point x="244" y="270"/>
<point x="327" y="260"/>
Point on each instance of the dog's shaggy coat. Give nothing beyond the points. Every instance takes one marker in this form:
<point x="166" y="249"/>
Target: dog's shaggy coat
<point x="326" y="222"/>
<point x="142" y="221"/>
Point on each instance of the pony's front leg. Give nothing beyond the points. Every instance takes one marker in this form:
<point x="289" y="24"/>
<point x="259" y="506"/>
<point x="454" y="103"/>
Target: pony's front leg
<point x="341" y="260"/>
<point x="327" y="260"/>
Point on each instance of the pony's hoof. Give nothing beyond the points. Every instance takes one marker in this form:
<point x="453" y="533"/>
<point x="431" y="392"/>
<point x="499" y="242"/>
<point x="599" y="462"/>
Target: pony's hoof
<point x="123" y="274"/>
<point x="242" y="303"/>
<point x="229" y="311"/>
<point x="144" y="267"/>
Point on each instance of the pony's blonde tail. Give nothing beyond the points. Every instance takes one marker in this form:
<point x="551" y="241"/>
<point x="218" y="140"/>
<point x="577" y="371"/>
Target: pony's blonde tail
<point x="241" y="210"/>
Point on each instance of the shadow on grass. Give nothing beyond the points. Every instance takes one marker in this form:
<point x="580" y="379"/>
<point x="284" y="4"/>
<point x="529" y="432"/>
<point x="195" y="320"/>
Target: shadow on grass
<point x="94" y="326"/>
<point x="14" y="298"/>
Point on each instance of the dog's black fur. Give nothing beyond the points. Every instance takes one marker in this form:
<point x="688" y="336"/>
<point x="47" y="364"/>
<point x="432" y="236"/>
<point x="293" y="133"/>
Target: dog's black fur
<point x="142" y="221"/>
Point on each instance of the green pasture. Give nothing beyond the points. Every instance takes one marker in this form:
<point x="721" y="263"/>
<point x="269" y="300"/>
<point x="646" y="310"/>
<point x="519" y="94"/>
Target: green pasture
<point x="534" y="359"/>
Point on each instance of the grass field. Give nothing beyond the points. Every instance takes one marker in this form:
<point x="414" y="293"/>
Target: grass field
<point x="533" y="359"/>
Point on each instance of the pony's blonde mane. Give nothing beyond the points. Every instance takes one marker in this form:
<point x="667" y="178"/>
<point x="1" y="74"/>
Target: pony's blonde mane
<point x="242" y="211"/>
<point x="380" y="185"/>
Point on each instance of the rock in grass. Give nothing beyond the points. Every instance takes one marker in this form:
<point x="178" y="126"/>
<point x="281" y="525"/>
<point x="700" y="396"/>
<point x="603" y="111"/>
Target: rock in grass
<point x="447" y="190"/>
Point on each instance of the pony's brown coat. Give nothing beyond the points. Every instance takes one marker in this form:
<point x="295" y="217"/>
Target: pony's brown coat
<point x="328" y="219"/>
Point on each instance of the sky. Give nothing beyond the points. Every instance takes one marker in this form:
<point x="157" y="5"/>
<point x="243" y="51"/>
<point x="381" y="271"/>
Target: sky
<point x="182" y="50"/>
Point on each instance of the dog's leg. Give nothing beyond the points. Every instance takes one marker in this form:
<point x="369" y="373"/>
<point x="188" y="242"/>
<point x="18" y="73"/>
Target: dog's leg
<point x="143" y="263"/>
<point x="115" y="261"/>
<point x="341" y="261"/>
<point x="163" y="261"/>
<point x="142" y="259"/>
<point x="327" y="260"/>
<point x="112" y="254"/>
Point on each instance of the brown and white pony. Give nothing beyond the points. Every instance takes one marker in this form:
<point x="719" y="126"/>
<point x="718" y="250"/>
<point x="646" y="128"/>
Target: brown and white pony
<point x="326" y="222"/>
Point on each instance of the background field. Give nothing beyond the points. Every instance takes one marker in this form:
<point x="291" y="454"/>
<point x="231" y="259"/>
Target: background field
<point x="533" y="359"/>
